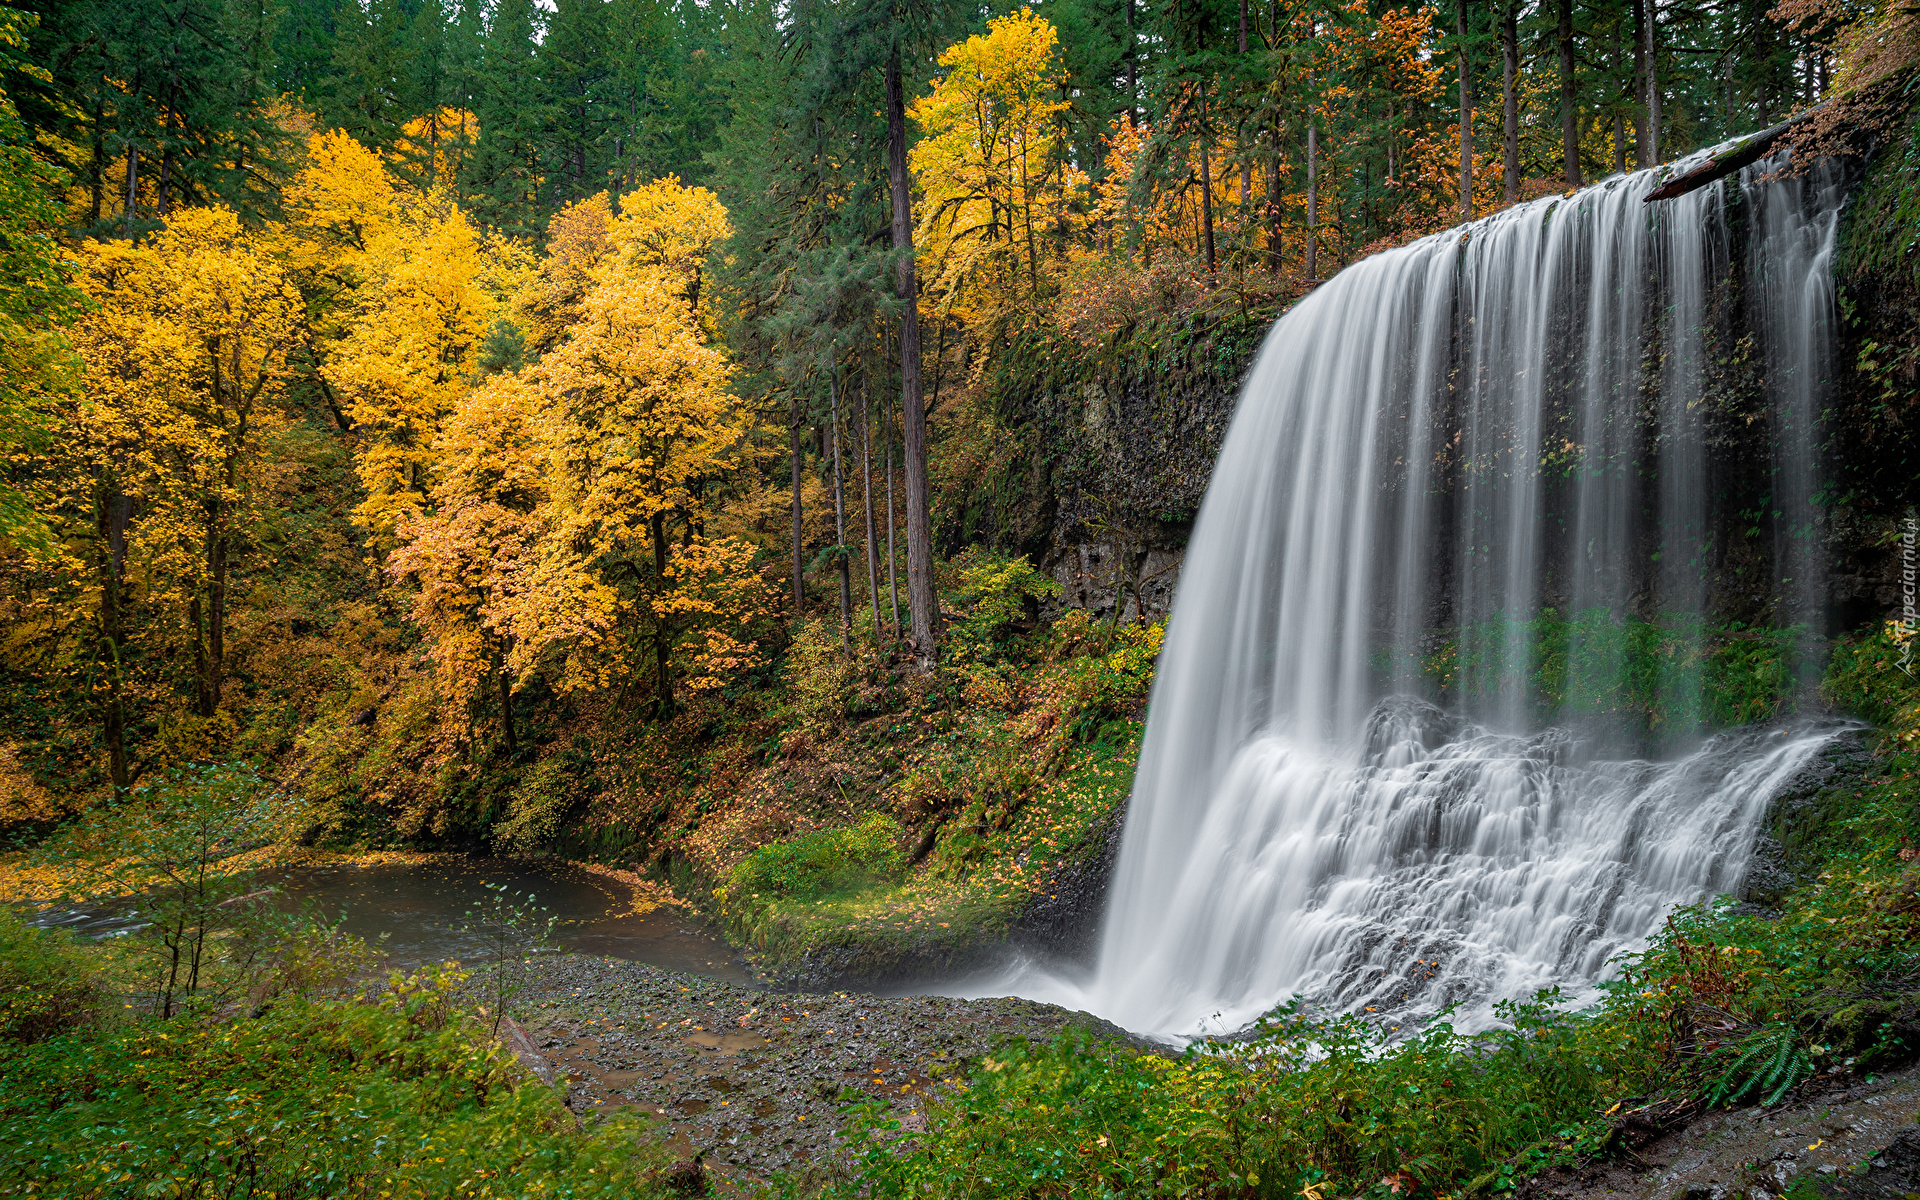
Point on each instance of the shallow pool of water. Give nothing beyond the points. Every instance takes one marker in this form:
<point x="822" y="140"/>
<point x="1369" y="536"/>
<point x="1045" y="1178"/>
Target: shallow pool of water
<point x="417" y="913"/>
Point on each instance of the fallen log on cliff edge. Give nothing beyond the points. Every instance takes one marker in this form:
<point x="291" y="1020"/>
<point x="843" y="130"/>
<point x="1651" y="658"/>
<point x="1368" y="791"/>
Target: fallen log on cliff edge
<point x="1742" y="153"/>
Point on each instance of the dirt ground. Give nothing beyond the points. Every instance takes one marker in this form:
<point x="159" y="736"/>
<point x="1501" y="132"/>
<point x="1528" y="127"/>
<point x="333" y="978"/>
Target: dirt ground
<point x="750" y="1080"/>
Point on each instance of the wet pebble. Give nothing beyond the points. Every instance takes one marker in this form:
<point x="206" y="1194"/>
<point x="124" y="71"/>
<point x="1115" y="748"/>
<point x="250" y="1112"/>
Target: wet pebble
<point x="755" y="1080"/>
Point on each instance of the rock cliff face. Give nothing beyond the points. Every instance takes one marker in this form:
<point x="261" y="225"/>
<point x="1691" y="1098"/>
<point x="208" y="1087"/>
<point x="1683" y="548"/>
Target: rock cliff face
<point x="1114" y="451"/>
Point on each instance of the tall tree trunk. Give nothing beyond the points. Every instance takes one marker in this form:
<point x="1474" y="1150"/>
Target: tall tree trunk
<point x="1642" y="146"/>
<point x="662" y="635"/>
<point x="115" y="512"/>
<point x="793" y="459"/>
<point x="1246" y="164"/>
<point x="1132" y="56"/>
<point x="840" y="520"/>
<point x="1466" y="117"/>
<point x="97" y="173"/>
<point x="131" y="212"/>
<point x="1510" y="100"/>
<point x="503" y="681"/>
<point x="1619" y="118"/>
<point x="1313" y="198"/>
<point x="1276" y="186"/>
<point x="913" y="420"/>
<point x="218" y="561"/>
<point x="1206" y="187"/>
<point x="210" y="642"/>
<point x="1569" y="112"/>
<point x="893" y="574"/>
<point x="866" y="501"/>
<point x="1653" y="83"/>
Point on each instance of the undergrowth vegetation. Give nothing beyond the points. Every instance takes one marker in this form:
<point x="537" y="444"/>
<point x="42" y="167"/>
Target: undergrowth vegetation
<point x="398" y="1095"/>
<point x="942" y="808"/>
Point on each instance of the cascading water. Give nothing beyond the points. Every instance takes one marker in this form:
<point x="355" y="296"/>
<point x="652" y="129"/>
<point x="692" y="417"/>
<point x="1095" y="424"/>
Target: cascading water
<point x="1437" y="451"/>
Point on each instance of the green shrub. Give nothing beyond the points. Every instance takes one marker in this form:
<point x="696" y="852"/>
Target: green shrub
<point x="824" y="862"/>
<point x="819" y="676"/>
<point x="1110" y="676"/>
<point x="1874" y="677"/>
<point x="47" y="984"/>
<point x="394" y="1098"/>
<point x="1306" y="1105"/>
<point x="994" y="591"/>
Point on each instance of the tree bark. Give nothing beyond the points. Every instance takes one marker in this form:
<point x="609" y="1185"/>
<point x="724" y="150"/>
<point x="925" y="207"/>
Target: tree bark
<point x="218" y="565"/>
<point x="1466" y="117"/>
<point x="1569" y="113"/>
<point x="1735" y="157"/>
<point x="1132" y="56"/>
<point x="1313" y="199"/>
<point x="866" y="501"/>
<point x="1653" y="83"/>
<point x="840" y="521"/>
<point x="504" y="682"/>
<point x="130" y="213"/>
<point x="1246" y="164"/>
<point x="1206" y="194"/>
<point x="913" y="422"/>
<point x="662" y="636"/>
<point x="1642" y="146"/>
<point x="1510" y="100"/>
<point x="793" y="458"/>
<point x="893" y="574"/>
<point x="115" y="512"/>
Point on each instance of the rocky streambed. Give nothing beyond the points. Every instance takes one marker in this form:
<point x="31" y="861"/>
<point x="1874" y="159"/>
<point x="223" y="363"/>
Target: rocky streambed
<point x="751" y="1081"/>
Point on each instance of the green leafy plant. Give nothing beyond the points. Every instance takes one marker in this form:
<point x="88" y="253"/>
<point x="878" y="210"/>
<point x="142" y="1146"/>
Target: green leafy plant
<point x="47" y="985"/>
<point x="510" y="930"/>
<point x="171" y="856"/>
<point x="823" y="862"/>
<point x="995" y="591"/>
<point x="1764" y="1065"/>
<point x="397" y="1097"/>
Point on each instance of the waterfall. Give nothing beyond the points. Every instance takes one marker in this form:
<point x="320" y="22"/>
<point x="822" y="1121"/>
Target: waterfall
<point x="1440" y="452"/>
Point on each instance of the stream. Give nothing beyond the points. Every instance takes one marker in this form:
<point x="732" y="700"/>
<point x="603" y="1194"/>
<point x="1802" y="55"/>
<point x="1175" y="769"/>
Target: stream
<point x="416" y="913"/>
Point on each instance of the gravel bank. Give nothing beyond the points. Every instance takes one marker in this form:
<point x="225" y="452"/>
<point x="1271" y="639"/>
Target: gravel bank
<point x="751" y="1079"/>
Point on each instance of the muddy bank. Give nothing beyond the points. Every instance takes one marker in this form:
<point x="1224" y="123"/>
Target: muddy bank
<point x="752" y="1079"/>
<point x="1858" y="1144"/>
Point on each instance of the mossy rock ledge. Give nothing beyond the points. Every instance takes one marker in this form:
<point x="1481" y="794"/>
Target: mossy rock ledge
<point x="1804" y="813"/>
<point x="1060" y="923"/>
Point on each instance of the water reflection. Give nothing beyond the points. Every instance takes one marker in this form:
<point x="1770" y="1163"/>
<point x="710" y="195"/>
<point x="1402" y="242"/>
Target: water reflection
<point x="416" y="912"/>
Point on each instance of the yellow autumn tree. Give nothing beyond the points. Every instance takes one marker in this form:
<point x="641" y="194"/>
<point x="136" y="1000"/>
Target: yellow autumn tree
<point x="667" y="229"/>
<point x="637" y="421"/>
<point x="186" y="353"/>
<point x="1001" y="195"/>
<point x="464" y="557"/>
<point x="636" y="431"/>
<point x="579" y="236"/>
<point x="416" y="288"/>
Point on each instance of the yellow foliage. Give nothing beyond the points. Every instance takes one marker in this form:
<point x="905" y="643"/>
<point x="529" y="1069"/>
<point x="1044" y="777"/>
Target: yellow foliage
<point x="578" y="238"/>
<point x="571" y="498"/>
<point x="418" y="287"/>
<point x="668" y="227"/>
<point x="186" y="353"/>
<point x="1000" y="195"/>
<point x="432" y="147"/>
